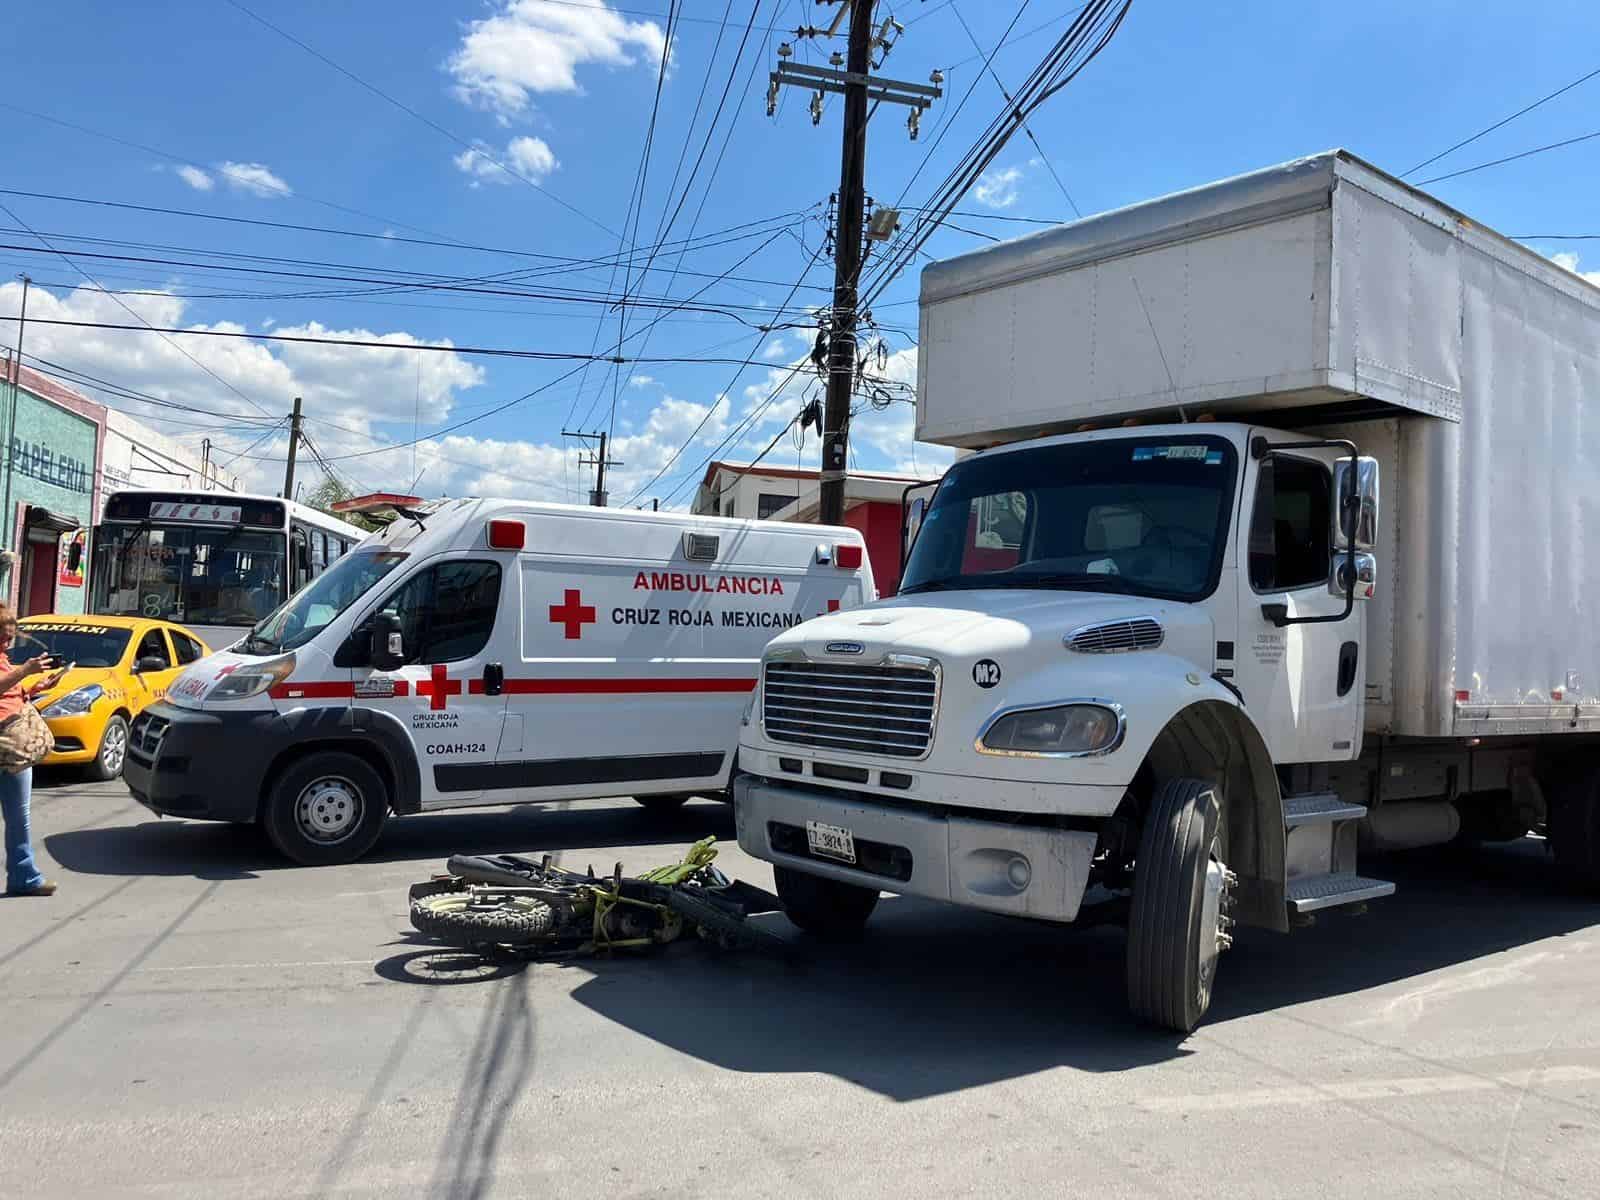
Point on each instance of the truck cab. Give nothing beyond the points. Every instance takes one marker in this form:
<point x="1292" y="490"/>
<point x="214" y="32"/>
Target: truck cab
<point x="1082" y="619"/>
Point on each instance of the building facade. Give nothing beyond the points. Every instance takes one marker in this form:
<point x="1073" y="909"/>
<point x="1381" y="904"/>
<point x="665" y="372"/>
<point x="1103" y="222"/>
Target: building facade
<point x="49" y="490"/>
<point x="136" y="456"/>
<point x="871" y="505"/>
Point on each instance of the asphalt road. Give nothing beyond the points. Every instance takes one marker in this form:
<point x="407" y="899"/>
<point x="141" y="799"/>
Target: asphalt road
<point x="191" y="1017"/>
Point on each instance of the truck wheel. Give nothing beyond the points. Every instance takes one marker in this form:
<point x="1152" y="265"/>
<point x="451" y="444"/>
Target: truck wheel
<point x="326" y="808"/>
<point x="1177" y="927"/>
<point x="824" y="907"/>
<point x="660" y="805"/>
<point x="113" y="752"/>
<point x="1574" y="828"/>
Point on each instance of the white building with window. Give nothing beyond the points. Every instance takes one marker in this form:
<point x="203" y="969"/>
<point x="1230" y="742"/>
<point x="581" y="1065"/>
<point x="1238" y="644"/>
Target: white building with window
<point x="136" y="456"/>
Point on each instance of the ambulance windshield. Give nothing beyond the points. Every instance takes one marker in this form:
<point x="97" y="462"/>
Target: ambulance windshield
<point x="310" y="610"/>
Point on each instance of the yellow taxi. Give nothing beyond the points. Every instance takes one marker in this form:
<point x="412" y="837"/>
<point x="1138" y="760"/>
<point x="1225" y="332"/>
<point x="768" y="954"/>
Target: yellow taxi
<point x="118" y="665"/>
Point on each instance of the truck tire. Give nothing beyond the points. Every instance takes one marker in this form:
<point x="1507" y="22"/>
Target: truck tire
<point x="1176" y="927"/>
<point x="822" y="907"/>
<point x="1574" y="829"/>
<point x="326" y="808"/>
<point x="513" y="921"/>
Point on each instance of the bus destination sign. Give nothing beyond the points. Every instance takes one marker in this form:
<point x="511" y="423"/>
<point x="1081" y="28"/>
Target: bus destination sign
<point x="221" y="514"/>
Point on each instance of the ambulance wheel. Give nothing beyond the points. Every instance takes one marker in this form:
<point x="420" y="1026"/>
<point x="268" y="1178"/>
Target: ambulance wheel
<point x="326" y="808"/>
<point x="113" y="752"/>
<point x="1178" y="925"/>
<point x="822" y="907"/>
<point x="661" y="805"/>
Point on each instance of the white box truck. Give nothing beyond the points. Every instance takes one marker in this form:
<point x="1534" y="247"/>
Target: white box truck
<point x="1157" y="643"/>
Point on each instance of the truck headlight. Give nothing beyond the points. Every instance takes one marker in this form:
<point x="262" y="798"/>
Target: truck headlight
<point x="1065" y="729"/>
<point x="74" y="703"/>
<point x="252" y="680"/>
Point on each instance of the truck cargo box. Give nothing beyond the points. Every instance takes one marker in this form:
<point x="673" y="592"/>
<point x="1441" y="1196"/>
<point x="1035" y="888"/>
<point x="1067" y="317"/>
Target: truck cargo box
<point x="1324" y="294"/>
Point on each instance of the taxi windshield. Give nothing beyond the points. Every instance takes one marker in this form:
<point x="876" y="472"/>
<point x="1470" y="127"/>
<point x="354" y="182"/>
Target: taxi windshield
<point x="310" y="610"/>
<point x="86" y="645"/>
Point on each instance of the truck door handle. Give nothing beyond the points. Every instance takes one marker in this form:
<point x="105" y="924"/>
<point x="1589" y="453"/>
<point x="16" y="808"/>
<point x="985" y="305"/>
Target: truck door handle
<point x="494" y="679"/>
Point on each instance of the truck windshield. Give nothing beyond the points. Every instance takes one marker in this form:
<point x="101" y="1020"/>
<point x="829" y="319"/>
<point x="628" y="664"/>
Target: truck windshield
<point x="1145" y="516"/>
<point x="311" y="609"/>
<point x="202" y="575"/>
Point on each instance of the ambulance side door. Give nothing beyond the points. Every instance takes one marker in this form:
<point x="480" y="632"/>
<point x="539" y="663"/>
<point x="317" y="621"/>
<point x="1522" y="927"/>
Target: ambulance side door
<point x="449" y="612"/>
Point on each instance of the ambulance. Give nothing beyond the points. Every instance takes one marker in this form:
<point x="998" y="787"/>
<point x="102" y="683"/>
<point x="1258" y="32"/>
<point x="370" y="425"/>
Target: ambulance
<point x="483" y="652"/>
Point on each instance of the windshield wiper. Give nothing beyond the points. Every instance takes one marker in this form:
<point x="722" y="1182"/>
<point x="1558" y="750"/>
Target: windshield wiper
<point x="254" y="643"/>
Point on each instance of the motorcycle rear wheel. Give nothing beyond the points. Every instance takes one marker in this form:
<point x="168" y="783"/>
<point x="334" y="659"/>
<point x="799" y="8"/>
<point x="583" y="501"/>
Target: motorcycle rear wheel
<point x="453" y="917"/>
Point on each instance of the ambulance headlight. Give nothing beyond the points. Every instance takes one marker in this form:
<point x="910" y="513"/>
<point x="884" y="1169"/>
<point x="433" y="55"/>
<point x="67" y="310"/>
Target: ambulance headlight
<point x="252" y="680"/>
<point x="74" y="704"/>
<point x="1065" y="730"/>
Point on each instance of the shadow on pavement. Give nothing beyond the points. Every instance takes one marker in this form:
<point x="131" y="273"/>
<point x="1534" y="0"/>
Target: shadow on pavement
<point x="935" y="999"/>
<point x="211" y="850"/>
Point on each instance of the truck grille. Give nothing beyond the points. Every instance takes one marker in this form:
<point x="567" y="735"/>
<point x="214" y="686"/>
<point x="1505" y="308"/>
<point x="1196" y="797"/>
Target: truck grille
<point x="144" y="738"/>
<point x="860" y="708"/>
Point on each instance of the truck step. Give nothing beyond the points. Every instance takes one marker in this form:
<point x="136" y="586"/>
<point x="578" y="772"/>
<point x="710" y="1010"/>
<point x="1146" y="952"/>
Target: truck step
<point x="1309" y="808"/>
<point x="1311" y="893"/>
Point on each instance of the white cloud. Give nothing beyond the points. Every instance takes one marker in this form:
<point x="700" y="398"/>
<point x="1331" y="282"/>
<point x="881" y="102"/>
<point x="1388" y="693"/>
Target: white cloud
<point x="354" y="387"/>
<point x="999" y="188"/>
<point x="195" y="178"/>
<point x="529" y="157"/>
<point x="529" y="46"/>
<point x="1569" y="261"/>
<point x="640" y="381"/>
<point x="774" y="349"/>
<point x="255" y="178"/>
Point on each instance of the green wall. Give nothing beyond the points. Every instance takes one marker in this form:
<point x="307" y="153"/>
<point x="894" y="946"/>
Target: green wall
<point x="52" y="465"/>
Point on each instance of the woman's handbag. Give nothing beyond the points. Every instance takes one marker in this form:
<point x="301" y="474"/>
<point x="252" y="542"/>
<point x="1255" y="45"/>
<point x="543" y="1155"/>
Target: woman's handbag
<point x="24" y="740"/>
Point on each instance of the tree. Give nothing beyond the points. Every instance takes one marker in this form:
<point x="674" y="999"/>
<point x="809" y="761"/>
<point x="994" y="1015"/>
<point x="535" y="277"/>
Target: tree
<point x="328" y="493"/>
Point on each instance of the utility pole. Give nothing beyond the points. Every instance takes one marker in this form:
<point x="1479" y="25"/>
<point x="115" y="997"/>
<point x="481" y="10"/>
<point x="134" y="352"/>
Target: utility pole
<point x="294" y="441"/>
<point x="857" y="84"/>
<point x="205" y="464"/>
<point x="599" y="462"/>
<point x="11" y="417"/>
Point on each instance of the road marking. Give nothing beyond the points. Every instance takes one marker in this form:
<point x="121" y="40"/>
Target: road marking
<point x="1369" y="1089"/>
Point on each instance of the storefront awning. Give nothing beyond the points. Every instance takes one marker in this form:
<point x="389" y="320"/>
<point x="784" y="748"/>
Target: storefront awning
<point x="43" y="518"/>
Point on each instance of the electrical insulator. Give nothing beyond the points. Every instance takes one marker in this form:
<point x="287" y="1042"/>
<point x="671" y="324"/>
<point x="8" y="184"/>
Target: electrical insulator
<point x="785" y="50"/>
<point x="772" y="98"/>
<point x="816" y="109"/>
<point x="914" y="123"/>
<point x="937" y="77"/>
<point x="836" y="59"/>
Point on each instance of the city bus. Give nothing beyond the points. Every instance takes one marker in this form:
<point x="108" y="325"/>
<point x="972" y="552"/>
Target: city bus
<point x="215" y="561"/>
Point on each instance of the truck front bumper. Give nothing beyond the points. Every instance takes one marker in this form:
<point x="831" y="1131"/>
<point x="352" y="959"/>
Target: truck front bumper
<point x="1023" y="870"/>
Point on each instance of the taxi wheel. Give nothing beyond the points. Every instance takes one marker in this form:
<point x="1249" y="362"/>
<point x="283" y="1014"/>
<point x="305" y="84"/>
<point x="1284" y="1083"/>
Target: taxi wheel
<point x="113" y="753"/>
<point x="326" y="808"/>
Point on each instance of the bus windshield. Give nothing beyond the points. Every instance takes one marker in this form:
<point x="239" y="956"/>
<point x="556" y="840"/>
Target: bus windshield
<point x="198" y="575"/>
<point x="314" y="607"/>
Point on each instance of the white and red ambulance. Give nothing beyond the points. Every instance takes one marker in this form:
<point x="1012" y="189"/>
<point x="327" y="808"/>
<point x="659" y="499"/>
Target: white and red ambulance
<point x="491" y="652"/>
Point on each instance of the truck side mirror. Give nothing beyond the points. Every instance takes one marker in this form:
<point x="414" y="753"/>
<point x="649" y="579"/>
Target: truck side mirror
<point x="388" y="648"/>
<point x="1366" y="575"/>
<point x="1355" y="504"/>
<point x="913" y="510"/>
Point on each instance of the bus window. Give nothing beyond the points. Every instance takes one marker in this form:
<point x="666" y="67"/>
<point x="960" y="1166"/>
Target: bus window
<point x="319" y="552"/>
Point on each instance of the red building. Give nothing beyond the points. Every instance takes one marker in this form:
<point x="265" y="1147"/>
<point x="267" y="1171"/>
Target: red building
<point x="871" y="504"/>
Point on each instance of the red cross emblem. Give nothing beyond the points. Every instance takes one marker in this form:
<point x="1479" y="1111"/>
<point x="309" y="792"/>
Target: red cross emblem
<point x="574" y="614"/>
<point x="440" y="688"/>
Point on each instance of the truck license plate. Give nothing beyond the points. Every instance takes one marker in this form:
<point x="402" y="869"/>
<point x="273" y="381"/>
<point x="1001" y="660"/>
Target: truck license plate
<point x="831" y="841"/>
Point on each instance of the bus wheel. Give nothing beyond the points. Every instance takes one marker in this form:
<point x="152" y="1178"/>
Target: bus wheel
<point x="326" y="808"/>
<point x="108" y="762"/>
<point x="1177" y="928"/>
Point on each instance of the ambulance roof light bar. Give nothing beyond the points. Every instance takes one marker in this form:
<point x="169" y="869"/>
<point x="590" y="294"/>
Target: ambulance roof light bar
<point x="382" y="506"/>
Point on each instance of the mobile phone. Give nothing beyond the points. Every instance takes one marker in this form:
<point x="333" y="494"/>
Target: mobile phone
<point x="50" y="661"/>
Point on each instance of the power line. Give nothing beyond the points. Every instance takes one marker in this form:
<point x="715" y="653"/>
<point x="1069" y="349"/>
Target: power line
<point x="65" y="257"/>
<point x="558" y="262"/>
<point x="1511" y="158"/>
<point x="428" y="121"/>
<point x="1503" y="121"/>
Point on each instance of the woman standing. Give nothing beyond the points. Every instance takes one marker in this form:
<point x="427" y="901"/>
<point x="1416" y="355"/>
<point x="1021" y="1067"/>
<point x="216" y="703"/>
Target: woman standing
<point x="16" y="791"/>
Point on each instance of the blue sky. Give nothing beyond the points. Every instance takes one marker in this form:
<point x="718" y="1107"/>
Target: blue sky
<point x="197" y="106"/>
